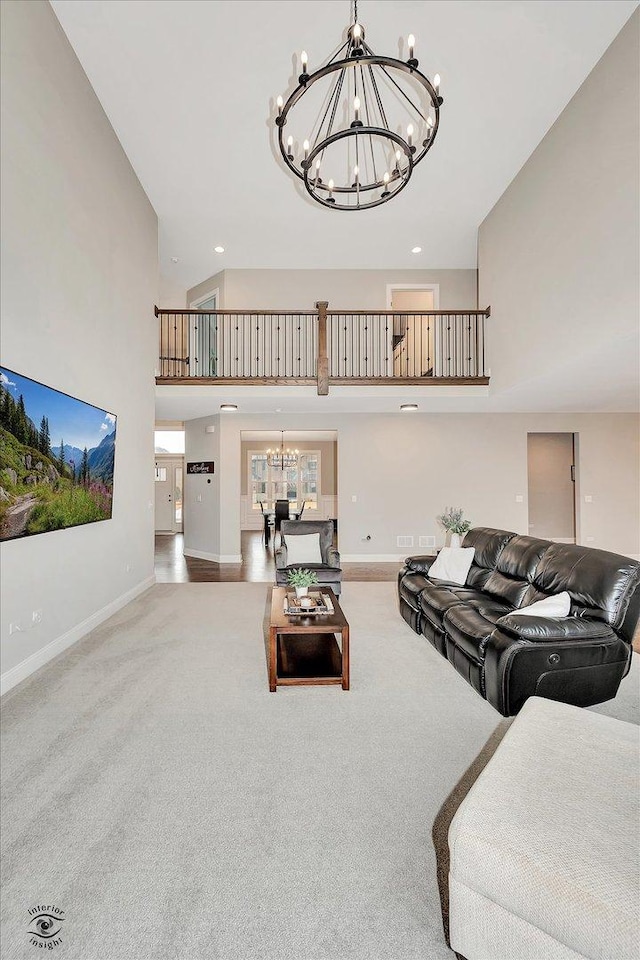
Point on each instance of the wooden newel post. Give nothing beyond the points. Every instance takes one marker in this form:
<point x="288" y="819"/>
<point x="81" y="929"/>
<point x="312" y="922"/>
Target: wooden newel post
<point x="323" y="357"/>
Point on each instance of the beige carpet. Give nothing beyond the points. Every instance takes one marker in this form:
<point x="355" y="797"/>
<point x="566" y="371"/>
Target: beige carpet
<point x="156" y="791"/>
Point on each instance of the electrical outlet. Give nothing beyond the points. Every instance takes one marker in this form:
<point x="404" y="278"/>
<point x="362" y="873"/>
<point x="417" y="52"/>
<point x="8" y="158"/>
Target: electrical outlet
<point x="36" y="616"/>
<point x="427" y="542"/>
<point x="519" y="498"/>
<point x="405" y="541"/>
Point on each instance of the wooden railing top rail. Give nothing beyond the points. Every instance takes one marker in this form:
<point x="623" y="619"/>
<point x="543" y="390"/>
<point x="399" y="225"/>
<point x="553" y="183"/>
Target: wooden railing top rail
<point x="410" y="313"/>
<point x="238" y="313"/>
<point x="329" y="313"/>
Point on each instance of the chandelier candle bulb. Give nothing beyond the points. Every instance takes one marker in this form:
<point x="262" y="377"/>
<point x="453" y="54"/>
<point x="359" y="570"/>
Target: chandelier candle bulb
<point x="305" y="147"/>
<point x="330" y="198"/>
<point x="410" y="137"/>
<point x="290" y="147"/>
<point x="279" y="104"/>
<point x="411" y="42"/>
<point x="436" y="84"/>
<point x="429" y="131"/>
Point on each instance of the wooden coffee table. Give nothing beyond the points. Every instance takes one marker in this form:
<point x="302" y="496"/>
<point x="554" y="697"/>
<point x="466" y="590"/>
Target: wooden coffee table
<point x="305" y="650"/>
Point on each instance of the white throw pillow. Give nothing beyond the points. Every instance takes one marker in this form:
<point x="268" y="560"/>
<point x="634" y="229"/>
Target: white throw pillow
<point x="303" y="548"/>
<point x="557" y="606"/>
<point x="452" y="564"/>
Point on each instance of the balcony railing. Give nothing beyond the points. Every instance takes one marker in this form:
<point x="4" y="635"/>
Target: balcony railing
<point x="323" y="347"/>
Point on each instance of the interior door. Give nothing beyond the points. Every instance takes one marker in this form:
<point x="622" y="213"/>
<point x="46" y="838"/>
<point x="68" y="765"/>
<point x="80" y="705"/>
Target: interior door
<point x="551" y="472"/>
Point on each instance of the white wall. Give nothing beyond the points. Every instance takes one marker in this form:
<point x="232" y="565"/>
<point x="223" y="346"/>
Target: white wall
<point x="404" y="469"/>
<point x="344" y="289"/>
<point x="202" y="493"/>
<point x="559" y="254"/>
<point x="171" y="294"/>
<point x="79" y="276"/>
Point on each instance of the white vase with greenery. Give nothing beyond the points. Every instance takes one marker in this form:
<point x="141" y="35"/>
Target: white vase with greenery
<point x="301" y="579"/>
<point x="455" y="525"/>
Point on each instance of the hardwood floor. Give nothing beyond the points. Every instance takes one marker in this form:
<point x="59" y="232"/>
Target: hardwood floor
<point x="258" y="565"/>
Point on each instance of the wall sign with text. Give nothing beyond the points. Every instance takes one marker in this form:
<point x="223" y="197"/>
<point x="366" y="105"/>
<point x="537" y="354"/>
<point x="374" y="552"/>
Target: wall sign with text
<point x="202" y="466"/>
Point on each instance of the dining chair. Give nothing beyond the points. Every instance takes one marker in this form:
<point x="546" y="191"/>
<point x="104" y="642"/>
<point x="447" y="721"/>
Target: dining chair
<point x="281" y="513"/>
<point x="265" y="524"/>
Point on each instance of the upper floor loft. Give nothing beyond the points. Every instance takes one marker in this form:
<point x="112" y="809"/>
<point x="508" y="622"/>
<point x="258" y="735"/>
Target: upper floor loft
<point x="322" y="347"/>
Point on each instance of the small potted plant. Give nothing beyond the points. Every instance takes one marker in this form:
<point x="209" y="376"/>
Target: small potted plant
<point x="453" y="522"/>
<point x="302" y="578"/>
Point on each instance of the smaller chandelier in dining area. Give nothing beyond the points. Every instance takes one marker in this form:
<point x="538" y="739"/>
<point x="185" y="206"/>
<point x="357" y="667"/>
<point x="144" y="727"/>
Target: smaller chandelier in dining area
<point x="282" y="458"/>
<point x="354" y="129"/>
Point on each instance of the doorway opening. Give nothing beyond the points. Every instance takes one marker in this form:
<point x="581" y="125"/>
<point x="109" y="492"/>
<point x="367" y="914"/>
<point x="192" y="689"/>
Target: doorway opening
<point x="551" y="468"/>
<point x="203" y="337"/>
<point x="308" y="482"/>
<point x="416" y="339"/>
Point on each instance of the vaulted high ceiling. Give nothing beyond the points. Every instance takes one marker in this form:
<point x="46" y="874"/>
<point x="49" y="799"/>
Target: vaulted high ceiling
<point x="189" y="88"/>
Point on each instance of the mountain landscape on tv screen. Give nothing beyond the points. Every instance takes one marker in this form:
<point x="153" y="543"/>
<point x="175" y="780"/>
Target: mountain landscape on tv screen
<point x="45" y="485"/>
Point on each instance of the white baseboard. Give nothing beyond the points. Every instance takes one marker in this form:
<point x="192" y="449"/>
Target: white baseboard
<point x="213" y="557"/>
<point x="17" y="674"/>
<point x="373" y="557"/>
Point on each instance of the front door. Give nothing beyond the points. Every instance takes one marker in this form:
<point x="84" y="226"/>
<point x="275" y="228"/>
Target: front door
<point x="168" y="484"/>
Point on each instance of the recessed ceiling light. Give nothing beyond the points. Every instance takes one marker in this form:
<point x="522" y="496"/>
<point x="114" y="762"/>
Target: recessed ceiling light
<point x="218" y="249"/>
<point x="406" y="407"/>
<point x="416" y="250"/>
<point x="175" y="259"/>
<point x="228" y="406"/>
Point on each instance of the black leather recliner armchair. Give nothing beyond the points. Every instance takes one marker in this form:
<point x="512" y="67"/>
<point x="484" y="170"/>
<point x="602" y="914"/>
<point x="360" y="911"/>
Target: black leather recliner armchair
<point x="579" y="659"/>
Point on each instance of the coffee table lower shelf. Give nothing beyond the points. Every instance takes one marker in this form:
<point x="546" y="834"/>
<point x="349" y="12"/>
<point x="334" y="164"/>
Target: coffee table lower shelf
<point x="312" y="658"/>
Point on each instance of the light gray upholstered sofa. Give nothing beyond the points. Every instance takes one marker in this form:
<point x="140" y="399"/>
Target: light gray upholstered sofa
<point x="545" y="847"/>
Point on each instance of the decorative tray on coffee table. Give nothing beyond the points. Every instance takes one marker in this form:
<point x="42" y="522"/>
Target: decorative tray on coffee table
<point x="298" y="607"/>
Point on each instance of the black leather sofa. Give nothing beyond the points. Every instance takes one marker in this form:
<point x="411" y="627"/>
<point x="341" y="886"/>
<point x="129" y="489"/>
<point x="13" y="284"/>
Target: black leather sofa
<point x="580" y="659"/>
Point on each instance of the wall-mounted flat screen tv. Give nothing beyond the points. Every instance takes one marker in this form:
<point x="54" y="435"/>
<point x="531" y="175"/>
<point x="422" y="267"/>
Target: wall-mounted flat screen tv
<point x="57" y="457"/>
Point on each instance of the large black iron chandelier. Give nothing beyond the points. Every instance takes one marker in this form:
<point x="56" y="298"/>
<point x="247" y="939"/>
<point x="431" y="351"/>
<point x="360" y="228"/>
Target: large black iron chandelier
<point x="368" y="121"/>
